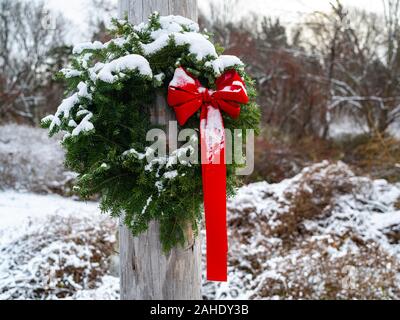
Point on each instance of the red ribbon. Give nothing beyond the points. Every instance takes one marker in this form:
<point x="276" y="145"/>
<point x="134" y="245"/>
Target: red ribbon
<point x="186" y="96"/>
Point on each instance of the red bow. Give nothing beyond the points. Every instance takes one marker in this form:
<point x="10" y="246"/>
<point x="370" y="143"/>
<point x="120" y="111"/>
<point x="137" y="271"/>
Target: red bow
<point x="186" y="96"/>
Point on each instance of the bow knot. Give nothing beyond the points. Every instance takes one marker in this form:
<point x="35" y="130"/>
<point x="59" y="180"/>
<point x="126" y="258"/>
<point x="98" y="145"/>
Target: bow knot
<point x="206" y="95"/>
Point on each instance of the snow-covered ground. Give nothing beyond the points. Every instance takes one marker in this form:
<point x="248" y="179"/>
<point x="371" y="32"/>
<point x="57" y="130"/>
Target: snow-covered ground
<point x="52" y="247"/>
<point x="322" y="234"/>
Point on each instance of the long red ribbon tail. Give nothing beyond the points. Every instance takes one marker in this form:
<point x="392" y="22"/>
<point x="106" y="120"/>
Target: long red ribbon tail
<point x="214" y="190"/>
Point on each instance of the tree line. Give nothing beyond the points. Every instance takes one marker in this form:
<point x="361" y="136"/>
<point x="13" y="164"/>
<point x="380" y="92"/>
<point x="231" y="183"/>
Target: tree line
<point x="345" y="62"/>
<point x="328" y="65"/>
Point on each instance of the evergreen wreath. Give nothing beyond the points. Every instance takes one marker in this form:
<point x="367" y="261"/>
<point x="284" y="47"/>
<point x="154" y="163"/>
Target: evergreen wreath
<point x="105" y="119"/>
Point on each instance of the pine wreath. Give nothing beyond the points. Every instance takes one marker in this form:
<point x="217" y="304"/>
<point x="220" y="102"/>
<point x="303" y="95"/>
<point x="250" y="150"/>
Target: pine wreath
<point x="105" y="119"/>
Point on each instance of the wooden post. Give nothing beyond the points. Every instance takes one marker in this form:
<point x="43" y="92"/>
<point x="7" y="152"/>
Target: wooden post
<point x="146" y="272"/>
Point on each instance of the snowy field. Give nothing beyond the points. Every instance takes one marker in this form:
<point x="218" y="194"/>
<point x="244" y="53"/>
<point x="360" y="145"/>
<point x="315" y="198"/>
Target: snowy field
<point x="52" y="247"/>
<point x="57" y="248"/>
<point x="323" y="234"/>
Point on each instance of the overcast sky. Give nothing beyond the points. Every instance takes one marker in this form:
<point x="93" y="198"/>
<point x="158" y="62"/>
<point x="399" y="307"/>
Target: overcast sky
<point x="287" y="10"/>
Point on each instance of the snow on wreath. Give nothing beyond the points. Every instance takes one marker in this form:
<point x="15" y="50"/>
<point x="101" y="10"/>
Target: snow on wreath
<point x="105" y="118"/>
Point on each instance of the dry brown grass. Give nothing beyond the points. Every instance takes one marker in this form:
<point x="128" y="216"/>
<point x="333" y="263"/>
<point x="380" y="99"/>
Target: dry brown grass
<point x="313" y="198"/>
<point x="377" y="156"/>
<point x="397" y="204"/>
<point x="279" y="156"/>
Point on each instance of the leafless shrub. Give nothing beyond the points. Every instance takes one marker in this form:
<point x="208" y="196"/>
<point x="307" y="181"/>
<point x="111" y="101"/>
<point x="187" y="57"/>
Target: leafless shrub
<point x="314" y="236"/>
<point x="310" y="272"/>
<point x="30" y="161"/>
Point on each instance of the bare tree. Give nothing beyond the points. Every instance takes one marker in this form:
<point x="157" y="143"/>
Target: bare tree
<point x="28" y="33"/>
<point x="221" y="21"/>
<point x="392" y="16"/>
<point x="341" y="63"/>
<point x="359" y="80"/>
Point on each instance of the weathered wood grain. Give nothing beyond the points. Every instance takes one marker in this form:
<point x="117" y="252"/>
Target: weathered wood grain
<point x="139" y="10"/>
<point x="146" y="272"/>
